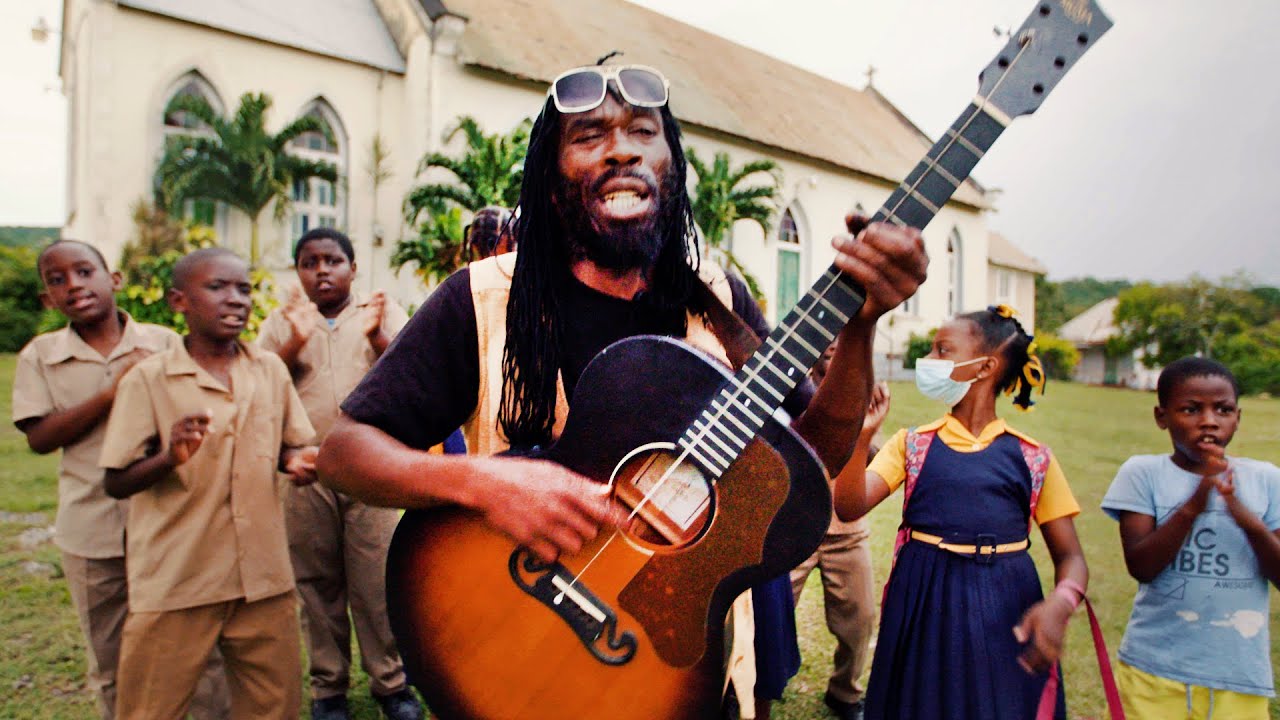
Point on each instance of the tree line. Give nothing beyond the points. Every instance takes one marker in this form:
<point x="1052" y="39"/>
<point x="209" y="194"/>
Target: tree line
<point x="1235" y="321"/>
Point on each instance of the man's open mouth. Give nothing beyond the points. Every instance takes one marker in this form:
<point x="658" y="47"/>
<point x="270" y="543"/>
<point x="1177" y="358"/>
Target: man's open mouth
<point x="625" y="199"/>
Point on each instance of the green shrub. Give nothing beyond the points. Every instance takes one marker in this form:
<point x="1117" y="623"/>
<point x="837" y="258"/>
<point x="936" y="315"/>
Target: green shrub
<point x="1254" y="358"/>
<point x="917" y="347"/>
<point x="1059" y="356"/>
<point x="20" y="306"/>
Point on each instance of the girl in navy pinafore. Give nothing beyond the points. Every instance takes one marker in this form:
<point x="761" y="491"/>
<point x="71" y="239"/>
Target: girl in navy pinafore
<point x="963" y="580"/>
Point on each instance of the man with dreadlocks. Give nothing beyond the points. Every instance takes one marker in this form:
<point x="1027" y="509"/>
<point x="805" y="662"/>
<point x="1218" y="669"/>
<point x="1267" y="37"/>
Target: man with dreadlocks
<point x="606" y="250"/>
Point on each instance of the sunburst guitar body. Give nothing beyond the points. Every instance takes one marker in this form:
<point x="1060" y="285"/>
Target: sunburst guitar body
<point x="633" y="625"/>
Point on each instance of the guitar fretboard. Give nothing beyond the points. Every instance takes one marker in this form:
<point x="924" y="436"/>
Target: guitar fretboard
<point x="741" y="407"/>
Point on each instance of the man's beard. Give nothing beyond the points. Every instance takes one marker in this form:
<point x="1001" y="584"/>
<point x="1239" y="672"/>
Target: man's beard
<point x="624" y="245"/>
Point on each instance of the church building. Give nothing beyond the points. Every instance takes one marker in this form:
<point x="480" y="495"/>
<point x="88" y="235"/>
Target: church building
<point x="401" y="72"/>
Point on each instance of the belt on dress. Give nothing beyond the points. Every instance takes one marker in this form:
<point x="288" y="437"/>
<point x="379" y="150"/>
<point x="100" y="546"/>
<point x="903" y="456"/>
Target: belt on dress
<point x="982" y="549"/>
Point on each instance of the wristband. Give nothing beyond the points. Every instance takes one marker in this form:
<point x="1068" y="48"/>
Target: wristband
<point x="1071" y="591"/>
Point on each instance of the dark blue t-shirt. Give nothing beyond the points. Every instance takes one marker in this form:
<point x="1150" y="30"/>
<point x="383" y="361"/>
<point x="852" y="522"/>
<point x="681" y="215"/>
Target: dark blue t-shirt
<point x="427" y="383"/>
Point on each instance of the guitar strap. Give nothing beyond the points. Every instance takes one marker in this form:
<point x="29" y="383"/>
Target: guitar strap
<point x="737" y="337"/>
<point x="739" y="342"/>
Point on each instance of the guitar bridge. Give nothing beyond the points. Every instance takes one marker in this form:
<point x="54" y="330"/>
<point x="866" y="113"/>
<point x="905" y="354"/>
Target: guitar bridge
<point x="594" y="622"/>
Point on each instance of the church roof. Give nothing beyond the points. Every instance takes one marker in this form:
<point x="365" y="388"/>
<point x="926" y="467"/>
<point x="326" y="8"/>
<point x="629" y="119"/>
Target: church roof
<point x="715" y="83"/>
<point x="1005" y="254"/>
<point x="346" y="29"/>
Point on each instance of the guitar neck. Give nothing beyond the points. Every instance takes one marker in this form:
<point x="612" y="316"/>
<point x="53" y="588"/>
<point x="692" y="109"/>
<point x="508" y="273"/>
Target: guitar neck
<point x="740" y="409"/>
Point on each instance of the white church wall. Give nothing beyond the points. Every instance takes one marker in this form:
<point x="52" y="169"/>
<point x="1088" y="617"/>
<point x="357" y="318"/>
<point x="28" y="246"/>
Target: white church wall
<point x="126" y="63"/>
<point x="823" y="195"/>
<point x="136" y="57"/>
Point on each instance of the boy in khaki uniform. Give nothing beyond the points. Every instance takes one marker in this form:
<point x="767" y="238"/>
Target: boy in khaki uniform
<point x="195" y="439"/>
<point x="63" y="389"/>
<point x="329" y="339"/>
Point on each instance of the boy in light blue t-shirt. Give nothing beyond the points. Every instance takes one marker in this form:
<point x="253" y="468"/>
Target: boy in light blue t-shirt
<point x="1201" y="534"/>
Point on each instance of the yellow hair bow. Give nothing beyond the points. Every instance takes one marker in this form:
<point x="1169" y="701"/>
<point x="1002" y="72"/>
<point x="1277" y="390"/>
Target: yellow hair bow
<point x="1003" y="311"/>
<point x="1033" y="372"/>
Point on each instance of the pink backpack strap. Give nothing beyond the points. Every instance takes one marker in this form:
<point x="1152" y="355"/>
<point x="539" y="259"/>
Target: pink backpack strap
<point x="917" y="447"/>
<point x="1049" y="697"/>
<point x="1037" y="459"/>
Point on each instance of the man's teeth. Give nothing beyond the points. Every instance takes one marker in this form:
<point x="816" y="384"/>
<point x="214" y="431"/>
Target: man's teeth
<point x="621" y="201"/>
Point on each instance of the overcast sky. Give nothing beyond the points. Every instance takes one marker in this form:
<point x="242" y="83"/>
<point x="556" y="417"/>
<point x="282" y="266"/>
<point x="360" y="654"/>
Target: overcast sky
<point x="1156" y="157"/>
<point x="33" y="118"/>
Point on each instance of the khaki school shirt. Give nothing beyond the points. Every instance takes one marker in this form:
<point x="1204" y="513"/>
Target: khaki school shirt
<point x="334" y="359"/>
<point x="58" y="370"/>
<point x="213" y="530"/>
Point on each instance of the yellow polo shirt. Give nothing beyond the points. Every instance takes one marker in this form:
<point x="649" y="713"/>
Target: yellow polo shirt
<point x="890" y="463"/>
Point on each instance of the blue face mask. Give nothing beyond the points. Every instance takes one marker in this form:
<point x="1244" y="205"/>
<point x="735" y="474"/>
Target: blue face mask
<point x="933" y="378"/>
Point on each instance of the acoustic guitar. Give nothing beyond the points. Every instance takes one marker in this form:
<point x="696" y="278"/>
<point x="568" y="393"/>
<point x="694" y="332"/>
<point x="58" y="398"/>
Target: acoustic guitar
<point x="723" y="494"/>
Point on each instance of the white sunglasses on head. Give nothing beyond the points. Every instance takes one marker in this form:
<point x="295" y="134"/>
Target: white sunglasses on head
<point x="583" y="89"/>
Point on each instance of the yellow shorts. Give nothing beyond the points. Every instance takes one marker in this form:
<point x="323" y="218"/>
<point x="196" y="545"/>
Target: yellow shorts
<point x="1150" y="697"/>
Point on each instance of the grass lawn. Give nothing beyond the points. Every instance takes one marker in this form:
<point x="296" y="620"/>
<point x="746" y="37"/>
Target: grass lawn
<point x="1091" y="430"/>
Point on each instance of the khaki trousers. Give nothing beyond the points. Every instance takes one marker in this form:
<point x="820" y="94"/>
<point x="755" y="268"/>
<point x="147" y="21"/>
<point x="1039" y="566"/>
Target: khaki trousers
<point x="339" y="551"/>
<point x="162" y="655"/>
<point x="100" y="593"/>
<point x="848" y="600"/>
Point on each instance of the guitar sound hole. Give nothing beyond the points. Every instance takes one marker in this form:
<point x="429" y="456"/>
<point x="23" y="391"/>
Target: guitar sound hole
<point x="675" y="504"/>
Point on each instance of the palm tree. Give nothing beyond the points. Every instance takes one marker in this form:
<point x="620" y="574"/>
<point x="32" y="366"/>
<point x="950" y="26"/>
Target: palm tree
<point x="237" y="161"/>
<point x="438" y="248"/>
<point x="488" y="172"/>
<point x="719" y="202"/>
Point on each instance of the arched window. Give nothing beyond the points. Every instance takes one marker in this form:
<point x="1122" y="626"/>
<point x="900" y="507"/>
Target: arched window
<point x="181" y="122"/>
<point x="788" y="233"/>
<point x="317" y="202"/>
<point x="789" y="252"/>
<point x="955" y="272"/>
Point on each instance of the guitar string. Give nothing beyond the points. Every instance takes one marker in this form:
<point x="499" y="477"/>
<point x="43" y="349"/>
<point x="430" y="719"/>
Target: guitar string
<point x="772" y="351"/>
<point x="802" y="315"/>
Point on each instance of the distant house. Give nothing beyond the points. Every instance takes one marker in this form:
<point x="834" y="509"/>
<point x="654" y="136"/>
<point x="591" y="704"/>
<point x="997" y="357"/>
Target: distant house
<point x="1089" y="332"/>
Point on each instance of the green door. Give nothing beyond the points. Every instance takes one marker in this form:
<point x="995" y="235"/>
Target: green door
<point x="1109" y="371"/>
<point x="788" y="282"/>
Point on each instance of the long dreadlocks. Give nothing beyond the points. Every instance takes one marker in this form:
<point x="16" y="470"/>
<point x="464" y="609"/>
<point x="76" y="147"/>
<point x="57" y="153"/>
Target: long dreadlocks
<point x="531" y="360"/>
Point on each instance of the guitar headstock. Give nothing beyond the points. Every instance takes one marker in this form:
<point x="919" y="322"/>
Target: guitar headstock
<point x="1051" y="40"/>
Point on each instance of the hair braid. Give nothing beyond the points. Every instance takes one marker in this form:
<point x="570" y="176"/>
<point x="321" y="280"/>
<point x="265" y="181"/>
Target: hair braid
<point x="1003" y="333"/>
